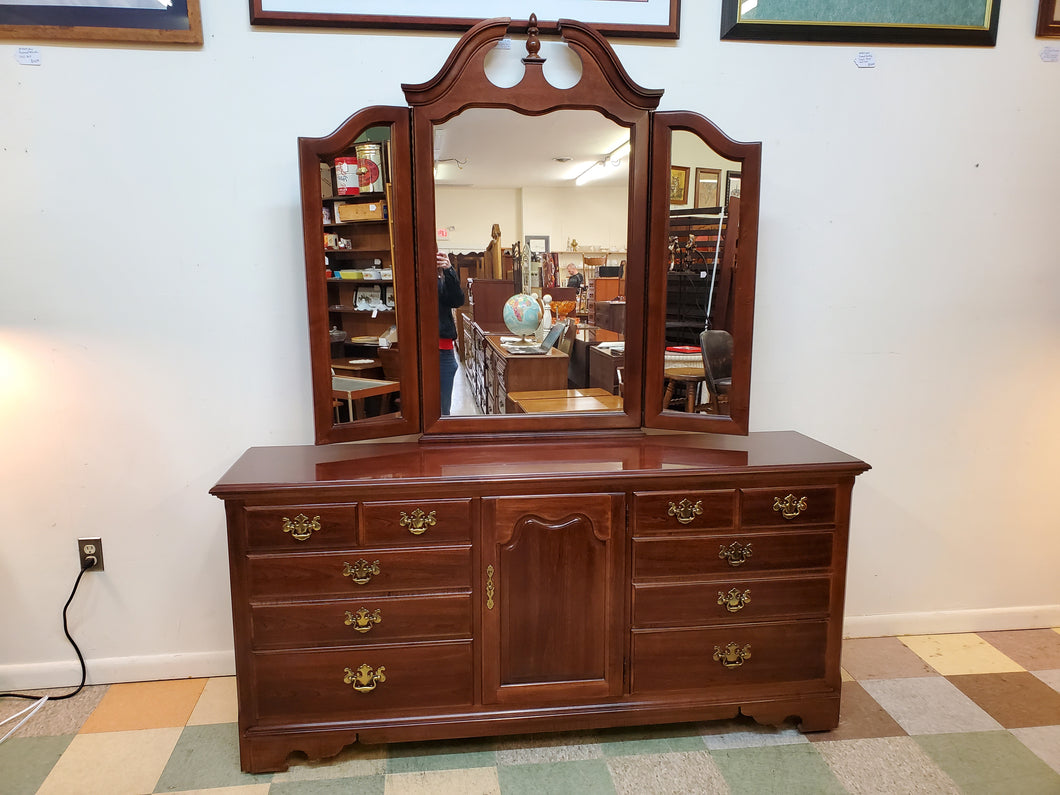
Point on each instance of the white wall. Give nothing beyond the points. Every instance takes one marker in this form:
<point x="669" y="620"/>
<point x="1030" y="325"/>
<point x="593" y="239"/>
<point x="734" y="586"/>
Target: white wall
<point x="152" y="321"/>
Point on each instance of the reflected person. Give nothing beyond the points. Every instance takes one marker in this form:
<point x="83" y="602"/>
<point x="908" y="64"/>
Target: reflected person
<point x="450" y="297"/>
<point x="574" y="279"/>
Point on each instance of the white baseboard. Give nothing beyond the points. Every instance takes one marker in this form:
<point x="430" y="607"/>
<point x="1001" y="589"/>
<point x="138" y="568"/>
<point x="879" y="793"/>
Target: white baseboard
<point x="944" y="622"/>
<point x="109" y="670"/>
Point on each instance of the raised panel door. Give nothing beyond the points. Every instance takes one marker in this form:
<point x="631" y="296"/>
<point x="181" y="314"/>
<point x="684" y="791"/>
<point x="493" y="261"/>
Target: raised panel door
<point x="552" y="569"/>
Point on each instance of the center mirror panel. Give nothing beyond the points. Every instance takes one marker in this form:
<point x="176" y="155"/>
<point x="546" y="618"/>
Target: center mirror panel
<point x="532" y="212"/>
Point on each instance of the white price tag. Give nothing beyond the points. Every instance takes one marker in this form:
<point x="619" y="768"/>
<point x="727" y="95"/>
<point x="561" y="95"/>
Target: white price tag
<point x="865" y="60"/>
<point x="504" y="44"/>
<point x="28" y="56"/>
<point x="1050" y="54"/>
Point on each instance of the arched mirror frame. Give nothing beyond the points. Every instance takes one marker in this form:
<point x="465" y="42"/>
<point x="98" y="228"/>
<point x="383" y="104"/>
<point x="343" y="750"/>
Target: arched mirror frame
<point x="461" y="84"/>
<point x="604" y="87"/>
<point x="743" y="266"/>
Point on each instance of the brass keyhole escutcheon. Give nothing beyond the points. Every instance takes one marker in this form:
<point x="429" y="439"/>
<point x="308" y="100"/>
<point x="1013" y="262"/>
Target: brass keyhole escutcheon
<point x="736" y="553"/>
<point x="734" y="601"/>
<point x="790" y="506"/>
<point x="301" y="527"/>
<point x="732" y="656"/>
<point x="417" y="522"/>
<point x="685" y="511"/>
<point x="360" y="572"/>
<point x="364" y="679"/>
<point x="489" y="587"/>
<point x="362" y="620"/>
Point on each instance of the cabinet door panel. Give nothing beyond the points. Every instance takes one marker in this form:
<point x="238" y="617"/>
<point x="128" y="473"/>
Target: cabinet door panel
<point x="554" y="609"/>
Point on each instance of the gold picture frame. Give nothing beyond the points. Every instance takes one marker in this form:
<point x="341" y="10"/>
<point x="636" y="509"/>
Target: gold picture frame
<point x="679" y="184"/>
<point x="124" y="22"/>
<point x="708" y="188"/>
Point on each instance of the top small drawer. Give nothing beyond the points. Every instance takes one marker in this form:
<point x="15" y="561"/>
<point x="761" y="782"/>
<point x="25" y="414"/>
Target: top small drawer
<point x="788" y="505"/>
<point x="301" y="526"/>
<point x="667" y="511"/>
<point x="427" y="521"/>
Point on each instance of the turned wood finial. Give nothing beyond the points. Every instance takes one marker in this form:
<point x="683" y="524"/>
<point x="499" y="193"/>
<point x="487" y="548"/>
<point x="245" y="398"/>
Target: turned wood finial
<point x="533" y="43"/>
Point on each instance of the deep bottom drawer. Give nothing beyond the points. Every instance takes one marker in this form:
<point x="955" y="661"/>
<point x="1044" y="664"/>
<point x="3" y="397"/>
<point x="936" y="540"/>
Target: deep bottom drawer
<point x="337" y="685"/>
<point x="690" y="659"/>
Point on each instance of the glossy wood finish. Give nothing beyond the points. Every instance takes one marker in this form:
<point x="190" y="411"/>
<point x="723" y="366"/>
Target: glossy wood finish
<point x="559" y="592"/>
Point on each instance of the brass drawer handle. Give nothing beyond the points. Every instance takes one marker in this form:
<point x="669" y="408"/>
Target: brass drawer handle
<point x="734" y="601"/>
<point x="361" y="571"/>
<point x="685" y="511"/>
<point x="489" y="588"/>
<point x="417" y="522"/>
<point x="736" y="553"/>
<point x="364" y="679"/>
<point x="732" y="656"/>
<point x="362" y="620"/>
<point x="790" y="507"/>
<point x="301" y="527"/>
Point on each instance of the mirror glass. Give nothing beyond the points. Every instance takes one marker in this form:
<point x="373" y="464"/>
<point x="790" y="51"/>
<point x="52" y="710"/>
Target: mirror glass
<point x="535" y="206"/>
<point x="361" y="299"/>
<point x="702" y="234"/>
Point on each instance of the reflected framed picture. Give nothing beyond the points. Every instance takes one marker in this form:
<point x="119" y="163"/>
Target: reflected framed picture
<point x="138" y="21"/>
<point x="708" y="187"/>
<point x="1048" y="19"/>
<point x="679" y="184"/>
<point x="955" y="22"/>
<point x="732" y="185"/>
<point x="538" y="244"/>
<point x="641" y="19"/>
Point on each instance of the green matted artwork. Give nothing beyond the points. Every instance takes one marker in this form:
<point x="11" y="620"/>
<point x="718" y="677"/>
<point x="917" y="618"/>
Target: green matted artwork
<point x="952" y="22"/>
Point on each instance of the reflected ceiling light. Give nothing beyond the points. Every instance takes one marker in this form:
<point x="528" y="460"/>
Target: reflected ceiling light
<point x="599" y="168"/>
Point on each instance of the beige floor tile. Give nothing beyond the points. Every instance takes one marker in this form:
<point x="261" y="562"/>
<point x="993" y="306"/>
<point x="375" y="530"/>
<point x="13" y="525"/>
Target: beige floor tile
<point x="844" y="676"/>
<point x="112" y="763"/>
<point x="217" y="704"/>
<point x="964" y="653"/>
<point x="351" y="762"/>
<point x="474" y="781"/>
<point x="246" y="789"/>
<point x="145" y="705"/>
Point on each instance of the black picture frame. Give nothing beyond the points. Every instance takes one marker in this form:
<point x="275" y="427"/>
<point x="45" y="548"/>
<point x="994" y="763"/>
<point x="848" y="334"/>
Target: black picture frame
<point x="822" y="26"/>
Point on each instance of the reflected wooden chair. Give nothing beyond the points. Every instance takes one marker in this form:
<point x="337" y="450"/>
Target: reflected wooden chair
<point x="686" y="379"/>
<point x="716" y="346"/>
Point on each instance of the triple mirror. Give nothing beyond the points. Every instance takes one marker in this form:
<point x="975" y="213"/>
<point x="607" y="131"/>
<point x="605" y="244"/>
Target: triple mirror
<point x="631" y="233"/>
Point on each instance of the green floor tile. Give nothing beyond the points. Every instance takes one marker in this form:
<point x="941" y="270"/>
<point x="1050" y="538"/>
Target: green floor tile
<point x="206" y="757"/>
<point x="990" y="762"/>
<point x="443" y="755"/>
<point x="589" y="777"/>
<point x="26" y="761"/>
<point x="651" y="740"/>
<point x="362" y="785"/>
<point x="780" y="769"/>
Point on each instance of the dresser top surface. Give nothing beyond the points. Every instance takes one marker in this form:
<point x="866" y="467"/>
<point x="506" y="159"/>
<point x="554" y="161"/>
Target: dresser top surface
<point x="266" y="468"/>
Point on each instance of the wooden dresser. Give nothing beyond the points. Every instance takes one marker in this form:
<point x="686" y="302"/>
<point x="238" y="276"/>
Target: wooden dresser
<point x="410" y="591"/>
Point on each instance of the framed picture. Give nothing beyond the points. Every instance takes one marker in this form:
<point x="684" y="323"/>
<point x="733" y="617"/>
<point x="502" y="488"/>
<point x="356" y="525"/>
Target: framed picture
<point x="708" y="187"/>
<point x="962" y="22"/>
<point x="732" y="185"/>
<point x="1048" y="18"/>
<point x="141" y="21"/>
<point x="679" y="184"/>
<point x="538" y="244"/>
<point x="642" y="19"/>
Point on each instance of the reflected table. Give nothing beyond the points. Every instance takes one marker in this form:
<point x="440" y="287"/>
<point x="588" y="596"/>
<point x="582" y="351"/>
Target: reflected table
<point x="355" y="390"/>
<point x="557" y="401"/>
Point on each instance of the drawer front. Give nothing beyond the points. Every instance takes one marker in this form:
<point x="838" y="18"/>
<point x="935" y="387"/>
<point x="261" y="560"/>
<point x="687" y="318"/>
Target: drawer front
<point x="668" y="512"/>
<point x="361" y="622"/>
<point x="417" y="522"/>
<point x="340" y="685"/>
<point x="359" y="572"/>
<point x="691" y="659"/>
<point x="729" y="600"/>
<point x="301" y="526"/>
<point x="743" y="553"/>
<point x="787" y="506"/>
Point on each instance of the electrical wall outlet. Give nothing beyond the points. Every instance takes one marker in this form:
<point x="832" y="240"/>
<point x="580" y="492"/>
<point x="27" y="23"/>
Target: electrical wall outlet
<point x="91" y="552"/>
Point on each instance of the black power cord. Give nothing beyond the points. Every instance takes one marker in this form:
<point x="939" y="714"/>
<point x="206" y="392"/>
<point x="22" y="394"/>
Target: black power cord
<point x="89" y="563"/>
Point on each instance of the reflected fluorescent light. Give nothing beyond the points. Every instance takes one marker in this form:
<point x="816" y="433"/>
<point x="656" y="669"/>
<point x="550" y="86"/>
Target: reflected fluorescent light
<point x="599" y="168"/>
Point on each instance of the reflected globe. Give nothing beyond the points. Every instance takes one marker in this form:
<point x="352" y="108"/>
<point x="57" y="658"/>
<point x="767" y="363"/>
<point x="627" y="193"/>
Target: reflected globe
<point x="522" y="314"/>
